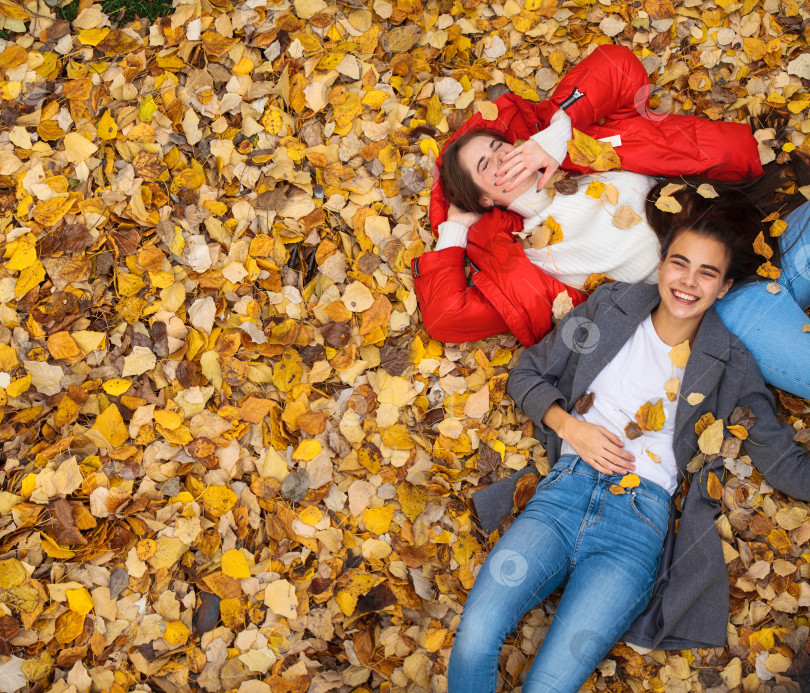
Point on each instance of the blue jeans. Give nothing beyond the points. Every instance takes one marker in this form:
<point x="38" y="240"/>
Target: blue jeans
<point x="770" y="325"/>
<point x="606" y="547"/>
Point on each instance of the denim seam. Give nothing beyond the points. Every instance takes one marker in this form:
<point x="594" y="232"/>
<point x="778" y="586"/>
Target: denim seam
<point x="584" y="527"/>
<point x="639" y="514"/>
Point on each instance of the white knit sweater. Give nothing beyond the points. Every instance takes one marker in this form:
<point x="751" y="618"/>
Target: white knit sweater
<point x="591" y="243"/>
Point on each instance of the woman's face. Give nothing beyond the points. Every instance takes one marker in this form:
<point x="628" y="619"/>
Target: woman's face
<point x="692" y="275"/>
<point x="479" y="157"/>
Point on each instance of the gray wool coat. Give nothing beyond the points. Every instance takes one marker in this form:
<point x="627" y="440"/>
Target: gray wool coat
<point x="690" y="606"/>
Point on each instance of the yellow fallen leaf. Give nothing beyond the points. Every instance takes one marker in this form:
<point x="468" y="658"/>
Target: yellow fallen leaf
<point x="761" y="247"/>
<point x="655" y="458"/>
<point x="769" y="271"/>
<point x="217" y="500"/>
<point x="672" y="386"/>
<point x="695" y="398"/>
<point x="116" y="386"/>
<point x="78" y="148"/>
<point x="80" y="601"/>
<point x="706" y="190"/>
<point x="611" y="194"/>
<point x="711" y="438"/>
<point x="378" y="520"/>
<point x="714" y="487"/>
<point x="616" y="490"/>
<point x="107" y="128"/>
<point x="235" y="565"/>
<point x="777" y="228"/>
<point x="679" y="354"/>
<point x="61" y="346"/>
<point x="111" y="426"/>
<point x="307" y="449"/>
<point x="668" y="204"/>
<point x="12" y="573"/>
<point x="625" y="217"/>
<point x="630" y="481"/>
<point x="176" y="633"/>
<point x="595" y="189"/>
<point x="586" y="151"/>
<point x="30" y="277"/>
<point x="651" y="417"/>
<point x="739" y="431"/>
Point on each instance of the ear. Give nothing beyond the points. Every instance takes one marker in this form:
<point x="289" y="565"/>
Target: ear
<point x="725" y="289"/>
<point x="486" y="201"/>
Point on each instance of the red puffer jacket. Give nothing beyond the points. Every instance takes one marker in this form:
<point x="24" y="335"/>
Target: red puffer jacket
<point x="605" y="95"/>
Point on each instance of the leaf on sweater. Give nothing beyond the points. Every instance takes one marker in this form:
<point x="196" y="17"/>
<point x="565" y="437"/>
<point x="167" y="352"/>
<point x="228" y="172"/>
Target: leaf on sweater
<point x="595" y="189"/>
<point x="586" y="151"/>
<point x="625" y="217"/>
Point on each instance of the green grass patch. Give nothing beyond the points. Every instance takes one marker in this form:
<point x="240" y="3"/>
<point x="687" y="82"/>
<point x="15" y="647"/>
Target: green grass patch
<point x="121" y="10"/>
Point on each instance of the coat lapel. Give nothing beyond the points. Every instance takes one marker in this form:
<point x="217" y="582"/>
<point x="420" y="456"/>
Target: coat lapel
<point x="704" y="369"/>
<point x="622" y="317"/>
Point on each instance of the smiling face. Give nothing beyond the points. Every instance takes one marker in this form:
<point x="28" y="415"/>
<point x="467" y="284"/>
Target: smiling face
<point x="692" y="276"/>
<point x="479" y="158"/>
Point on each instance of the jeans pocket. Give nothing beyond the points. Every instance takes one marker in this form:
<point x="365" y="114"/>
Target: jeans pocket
<point x="651" y="511"/>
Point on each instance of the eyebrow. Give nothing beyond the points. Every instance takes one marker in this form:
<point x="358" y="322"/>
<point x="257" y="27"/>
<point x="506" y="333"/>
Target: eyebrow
<point x="687" y="260"/>
<point x="481" y="160"/>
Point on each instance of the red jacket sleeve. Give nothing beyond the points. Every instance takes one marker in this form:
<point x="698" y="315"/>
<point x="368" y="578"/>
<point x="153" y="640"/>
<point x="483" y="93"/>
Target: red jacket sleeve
<point x="451" y="310"/>
<point x="610" y="83"/>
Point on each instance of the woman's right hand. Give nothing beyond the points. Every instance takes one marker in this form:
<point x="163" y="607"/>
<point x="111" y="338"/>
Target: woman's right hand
<point x="597" y="446"/>
<point x="462" y="217"/>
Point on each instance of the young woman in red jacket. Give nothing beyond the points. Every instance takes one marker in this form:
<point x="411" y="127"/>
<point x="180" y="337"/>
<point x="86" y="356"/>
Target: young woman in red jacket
<point x="483" y="176"/>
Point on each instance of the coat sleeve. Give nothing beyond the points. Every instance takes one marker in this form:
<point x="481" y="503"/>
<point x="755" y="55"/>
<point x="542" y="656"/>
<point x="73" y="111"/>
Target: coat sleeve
<point x="451" y="310"/>
<point x="610" y="83"/>
<point x="532" y="384"/>
<point x="770" y="445"/>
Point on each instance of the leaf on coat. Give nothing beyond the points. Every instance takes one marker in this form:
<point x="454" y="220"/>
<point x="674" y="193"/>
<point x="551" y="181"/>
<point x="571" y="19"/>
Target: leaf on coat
<point x="695" y="398"/>
<point x="713" y="486"/>
<point x="711" y="439"/>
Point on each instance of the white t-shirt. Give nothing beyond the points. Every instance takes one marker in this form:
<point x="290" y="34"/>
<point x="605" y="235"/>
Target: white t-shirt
<point x="637" y="374"/>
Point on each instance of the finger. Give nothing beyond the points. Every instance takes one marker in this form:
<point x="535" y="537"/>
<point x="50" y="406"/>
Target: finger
<point x="546" y="177"/>
<point x="619" y="463"/>
<point x="517" y="180"/>
<point x="598" y="466"/>
<point x="510" y="178"/>
<point x="515" y="153"/>
<point x="506" y="167"/>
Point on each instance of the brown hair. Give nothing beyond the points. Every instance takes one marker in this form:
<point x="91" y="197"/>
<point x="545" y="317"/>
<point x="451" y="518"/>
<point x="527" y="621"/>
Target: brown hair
<point x="735" y="217"/>
<point x="459" y="187"/>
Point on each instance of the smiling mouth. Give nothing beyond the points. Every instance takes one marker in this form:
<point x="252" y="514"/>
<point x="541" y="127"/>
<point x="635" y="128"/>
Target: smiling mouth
<point x="682" y="297"/>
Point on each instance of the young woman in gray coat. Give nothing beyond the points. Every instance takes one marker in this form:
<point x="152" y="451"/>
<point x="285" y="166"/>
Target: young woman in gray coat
<point x="654" y="360"/>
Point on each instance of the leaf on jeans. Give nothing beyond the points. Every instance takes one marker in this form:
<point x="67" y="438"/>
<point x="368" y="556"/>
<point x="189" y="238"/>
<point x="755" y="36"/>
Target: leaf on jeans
<point x="773" y="287"/>
<point x="630" y="481"/>
<point x="616" y="490"/>
<point x="584" y="403"/>
<point x="524" y="490"/>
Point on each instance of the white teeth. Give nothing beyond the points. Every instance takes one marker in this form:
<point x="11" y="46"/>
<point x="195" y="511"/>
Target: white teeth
<point x="684" y="297"/>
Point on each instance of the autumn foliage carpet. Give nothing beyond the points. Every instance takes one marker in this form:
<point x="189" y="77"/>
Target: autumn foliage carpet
<point x="232" y="459"/>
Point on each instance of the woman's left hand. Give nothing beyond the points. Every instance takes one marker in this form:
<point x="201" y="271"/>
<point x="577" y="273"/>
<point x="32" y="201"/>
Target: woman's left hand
<point x="522" y="162"/>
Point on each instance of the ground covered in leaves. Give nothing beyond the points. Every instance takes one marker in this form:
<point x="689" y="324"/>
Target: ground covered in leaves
<point x="232" y="458"/>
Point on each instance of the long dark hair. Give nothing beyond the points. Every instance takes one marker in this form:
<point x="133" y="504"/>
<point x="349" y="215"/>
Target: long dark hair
<point x="736" y="216"/>
<point x="458" y="185"/>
